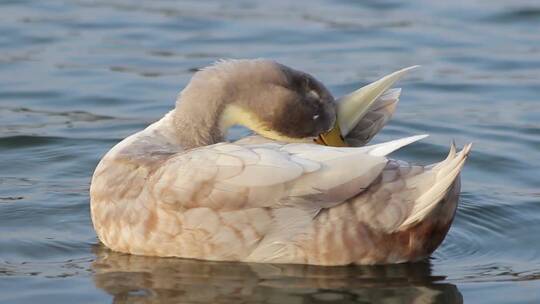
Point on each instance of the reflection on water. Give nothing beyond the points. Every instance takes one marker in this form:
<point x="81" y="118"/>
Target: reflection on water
<point x="135" y="279"/>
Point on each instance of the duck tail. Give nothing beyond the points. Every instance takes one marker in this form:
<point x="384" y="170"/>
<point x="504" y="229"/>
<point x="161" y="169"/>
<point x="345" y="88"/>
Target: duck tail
<point x="433" y="190"/>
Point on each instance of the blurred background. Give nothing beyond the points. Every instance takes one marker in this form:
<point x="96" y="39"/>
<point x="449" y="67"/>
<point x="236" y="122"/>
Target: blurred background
<point x="78" y="76"/>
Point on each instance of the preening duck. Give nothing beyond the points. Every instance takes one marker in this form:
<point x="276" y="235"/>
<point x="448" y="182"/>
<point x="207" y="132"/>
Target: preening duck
<point x="304" y="189"/>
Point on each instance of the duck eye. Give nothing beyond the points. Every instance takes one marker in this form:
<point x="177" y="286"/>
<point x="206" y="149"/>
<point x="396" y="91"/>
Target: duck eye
<point x="315" y="116"/>
<point x="313" y="94"/>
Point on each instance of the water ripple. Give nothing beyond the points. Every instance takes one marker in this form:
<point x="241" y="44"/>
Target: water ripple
<point x="521" y="15"/>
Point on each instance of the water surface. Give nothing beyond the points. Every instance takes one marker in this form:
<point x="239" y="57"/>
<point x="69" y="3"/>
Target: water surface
<point x="78" y="76"/>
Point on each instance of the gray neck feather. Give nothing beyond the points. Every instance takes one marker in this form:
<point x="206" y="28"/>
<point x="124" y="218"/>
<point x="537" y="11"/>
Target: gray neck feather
<point x="198" y="111"/>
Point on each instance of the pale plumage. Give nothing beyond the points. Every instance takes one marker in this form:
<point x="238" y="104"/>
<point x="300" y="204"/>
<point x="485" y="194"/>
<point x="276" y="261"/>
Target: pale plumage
<point x="260" y="200"/>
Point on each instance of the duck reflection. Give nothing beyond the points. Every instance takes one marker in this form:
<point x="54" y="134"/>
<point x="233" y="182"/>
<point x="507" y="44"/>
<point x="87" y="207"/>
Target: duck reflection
<point x="139" y="279"/>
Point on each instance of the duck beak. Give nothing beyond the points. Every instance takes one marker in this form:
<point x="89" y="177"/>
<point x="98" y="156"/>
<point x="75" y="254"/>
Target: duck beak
<point x="352" y="107"/>
<point x="332" y="138"/>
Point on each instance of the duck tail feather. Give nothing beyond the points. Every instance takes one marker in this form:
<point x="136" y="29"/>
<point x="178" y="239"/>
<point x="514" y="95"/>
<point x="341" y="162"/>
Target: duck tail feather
<point x="445" y="173"/>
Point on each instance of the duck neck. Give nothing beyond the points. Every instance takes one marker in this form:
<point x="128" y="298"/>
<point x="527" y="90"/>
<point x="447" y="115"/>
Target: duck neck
<point x="197" y="124"/>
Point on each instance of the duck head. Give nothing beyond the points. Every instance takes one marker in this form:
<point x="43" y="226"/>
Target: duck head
<point x="269" y="98"/>
<point x="281" y="103"/>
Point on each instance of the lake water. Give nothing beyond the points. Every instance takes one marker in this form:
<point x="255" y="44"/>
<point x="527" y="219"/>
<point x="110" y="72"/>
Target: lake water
<point x="78" y="76"/>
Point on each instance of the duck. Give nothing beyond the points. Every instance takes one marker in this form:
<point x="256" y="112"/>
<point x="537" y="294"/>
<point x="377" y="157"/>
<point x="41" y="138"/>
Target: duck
<point x="305" y="188"/>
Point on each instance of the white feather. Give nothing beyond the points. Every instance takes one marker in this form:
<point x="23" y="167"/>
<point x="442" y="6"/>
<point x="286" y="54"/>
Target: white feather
<point x="391" y="146"/>
<point x="446" y="173"/>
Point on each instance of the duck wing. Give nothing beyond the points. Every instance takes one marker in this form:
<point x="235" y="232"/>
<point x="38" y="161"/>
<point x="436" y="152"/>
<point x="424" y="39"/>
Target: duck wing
<point x="229" y="176"/>
<point x="375" y="119"/>
<point x="403" y="215"/>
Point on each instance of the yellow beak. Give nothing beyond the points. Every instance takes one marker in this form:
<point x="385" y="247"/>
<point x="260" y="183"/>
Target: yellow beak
<point x="351" y="108"/>
<point x="332" y="138"/>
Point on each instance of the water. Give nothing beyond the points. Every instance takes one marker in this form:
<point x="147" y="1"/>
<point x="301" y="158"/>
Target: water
<point x="78" y="76"/>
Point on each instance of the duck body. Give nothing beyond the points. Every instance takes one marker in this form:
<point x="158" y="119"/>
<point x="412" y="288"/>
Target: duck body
<point x="272" y="200"/>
